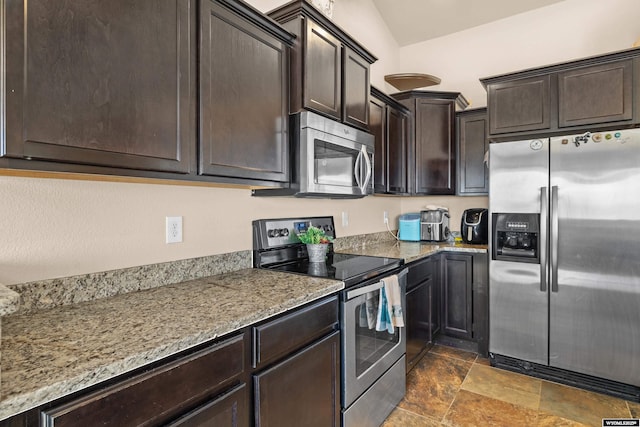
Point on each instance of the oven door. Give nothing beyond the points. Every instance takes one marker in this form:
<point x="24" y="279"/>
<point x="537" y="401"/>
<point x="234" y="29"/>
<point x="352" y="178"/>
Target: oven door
<point x="366" y="353"/>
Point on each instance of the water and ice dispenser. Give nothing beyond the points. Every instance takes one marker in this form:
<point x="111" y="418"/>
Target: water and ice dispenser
<point x="516" y="237"/>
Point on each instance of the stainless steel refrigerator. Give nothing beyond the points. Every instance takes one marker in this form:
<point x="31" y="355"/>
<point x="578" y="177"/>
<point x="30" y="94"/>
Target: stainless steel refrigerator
<point x="565" y="257"/>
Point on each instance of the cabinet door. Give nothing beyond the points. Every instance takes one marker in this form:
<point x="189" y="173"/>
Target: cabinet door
<point x="473" y="173"/>
<point x="107" y="84"/>
<point x="243" y="98"/>
<point x="322" y="72"/>
<point x="435" y="152"/>
<point x="480" y="289"/>
<point x="457" y="304"/>
<point x="519" y="105"/>
<point x="419" y="300"/>
<point x="303" y="390"/>
<point x="596" y="94"/>
<point x="356" y="90"/>
<point x="228" y="410"/>
<point x="397" y="134"/>
<point x="377" y="126"/>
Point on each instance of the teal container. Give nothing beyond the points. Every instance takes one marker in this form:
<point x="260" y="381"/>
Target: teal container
<point x="409" y="227"/>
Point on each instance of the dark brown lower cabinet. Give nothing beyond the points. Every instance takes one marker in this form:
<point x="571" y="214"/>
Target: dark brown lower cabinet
<point x="457" y="302"/>
<point x="481" y="302"/>
<point x="230" y="410"/>
<point x="293" y="359"/>
<point x="302" y="389"/>
<point x="165" y="393"/>
<point x="418" y="317"/>
<point x="420" y="314"/>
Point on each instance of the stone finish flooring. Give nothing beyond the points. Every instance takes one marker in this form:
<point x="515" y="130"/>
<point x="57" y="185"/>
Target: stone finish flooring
<point x="451" y="387"/>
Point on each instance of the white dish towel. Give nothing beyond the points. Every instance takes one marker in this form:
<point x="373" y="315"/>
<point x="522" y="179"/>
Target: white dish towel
<point x="390" y="311"/>
<point x="369" y="309"/>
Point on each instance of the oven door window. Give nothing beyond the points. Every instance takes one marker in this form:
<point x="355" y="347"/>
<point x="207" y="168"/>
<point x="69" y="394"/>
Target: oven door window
<point x="370" y="345"/>
<point x="334" y="164"/>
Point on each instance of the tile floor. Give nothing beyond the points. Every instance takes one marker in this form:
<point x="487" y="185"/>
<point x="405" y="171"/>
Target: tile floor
<point x="451" y="387"/>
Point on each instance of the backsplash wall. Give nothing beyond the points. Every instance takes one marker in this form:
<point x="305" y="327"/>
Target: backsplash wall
<point x="55" y="228"/>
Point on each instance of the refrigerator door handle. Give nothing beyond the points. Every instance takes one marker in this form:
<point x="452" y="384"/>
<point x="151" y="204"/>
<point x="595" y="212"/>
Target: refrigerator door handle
<point x="544" y="230"/>
<point x="554" y="238"/>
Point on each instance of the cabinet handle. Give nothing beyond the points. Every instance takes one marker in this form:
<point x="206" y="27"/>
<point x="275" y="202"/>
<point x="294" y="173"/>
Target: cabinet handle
<point x="544" y="229"/>
<point x="365" y="290"/>
<point x="367" y="163"/>
<point x="554" y="238"/>
<point x="357" y="173"/>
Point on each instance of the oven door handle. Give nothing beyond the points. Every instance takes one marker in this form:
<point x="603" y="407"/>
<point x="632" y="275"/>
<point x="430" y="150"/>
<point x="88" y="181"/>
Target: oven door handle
<point x="364" y="290"/>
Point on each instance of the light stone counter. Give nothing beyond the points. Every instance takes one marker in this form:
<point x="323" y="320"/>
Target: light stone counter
<point x="52" y="353"/>
<point x="9" y="301"/>
<point x="412" y="251"/>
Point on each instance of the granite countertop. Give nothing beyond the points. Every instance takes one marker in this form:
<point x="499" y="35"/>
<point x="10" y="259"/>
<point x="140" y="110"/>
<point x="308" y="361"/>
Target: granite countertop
<point x="52" y="353"/>
<point x="9" y="300"/>
<point x="413" y="251"/>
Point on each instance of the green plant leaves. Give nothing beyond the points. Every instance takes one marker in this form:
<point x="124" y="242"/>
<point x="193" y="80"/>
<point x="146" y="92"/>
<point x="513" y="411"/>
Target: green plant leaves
<point x="314" y="235"/>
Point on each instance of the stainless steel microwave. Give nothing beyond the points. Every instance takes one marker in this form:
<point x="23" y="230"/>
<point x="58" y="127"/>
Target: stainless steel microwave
<point x="329" y="160"/>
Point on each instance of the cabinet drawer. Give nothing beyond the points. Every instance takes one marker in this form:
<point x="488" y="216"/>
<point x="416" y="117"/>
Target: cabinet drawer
<point x="155" y="396"/>
<point x="228" y="410"/>
<point x="292" y="331"/>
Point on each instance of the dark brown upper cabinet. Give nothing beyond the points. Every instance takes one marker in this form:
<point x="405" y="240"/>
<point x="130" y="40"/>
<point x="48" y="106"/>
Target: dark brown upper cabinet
<point x="589" y="94"/>
<point x="389" y="122"/>
<point x="596" y="94"/>
<point x="244" y="97"/>
<point x="432" y="145"/>
<point x="113" y="90"/>
<point x="329" y="69"/>
<point x="101" y="84"/>
<point x="473" y="144"/>
<point x="378" y="127"/>
<point x="520" y="105"/>
<point x="356" y="89"/>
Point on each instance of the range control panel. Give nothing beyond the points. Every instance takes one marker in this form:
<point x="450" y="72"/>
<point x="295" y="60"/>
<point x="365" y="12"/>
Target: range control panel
<point x="275" y="233"/>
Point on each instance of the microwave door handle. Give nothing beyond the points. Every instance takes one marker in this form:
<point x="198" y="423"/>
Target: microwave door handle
<point x="357" y="173"/>
<point x="367" y="163"/>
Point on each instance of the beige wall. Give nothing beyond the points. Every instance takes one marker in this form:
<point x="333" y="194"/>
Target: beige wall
<point x="560" y="32"/>
<point x="56" y="228"/>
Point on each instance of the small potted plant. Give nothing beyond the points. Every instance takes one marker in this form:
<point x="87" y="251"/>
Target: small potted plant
<point x="317" y="242"/>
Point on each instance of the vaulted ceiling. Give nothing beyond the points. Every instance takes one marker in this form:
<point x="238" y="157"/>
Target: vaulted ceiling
<point x="413" y="21"/>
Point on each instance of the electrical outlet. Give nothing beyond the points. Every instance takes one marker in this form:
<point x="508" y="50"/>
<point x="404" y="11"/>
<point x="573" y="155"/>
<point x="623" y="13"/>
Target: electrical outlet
<point x="385" y="217"/>
<point x="345" y="219"/>
<point x="174" y="229"/>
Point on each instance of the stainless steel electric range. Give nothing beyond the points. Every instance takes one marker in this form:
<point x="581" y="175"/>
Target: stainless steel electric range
<point x="373" y="362"/>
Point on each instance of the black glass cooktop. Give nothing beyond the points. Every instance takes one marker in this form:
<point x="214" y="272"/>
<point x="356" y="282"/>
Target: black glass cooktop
<point x="351" y="269"/>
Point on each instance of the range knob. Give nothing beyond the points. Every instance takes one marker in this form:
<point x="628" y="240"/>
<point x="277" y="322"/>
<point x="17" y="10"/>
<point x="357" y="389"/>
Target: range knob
<point x="284" y="232"/>
<point x="271" y="233"/>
